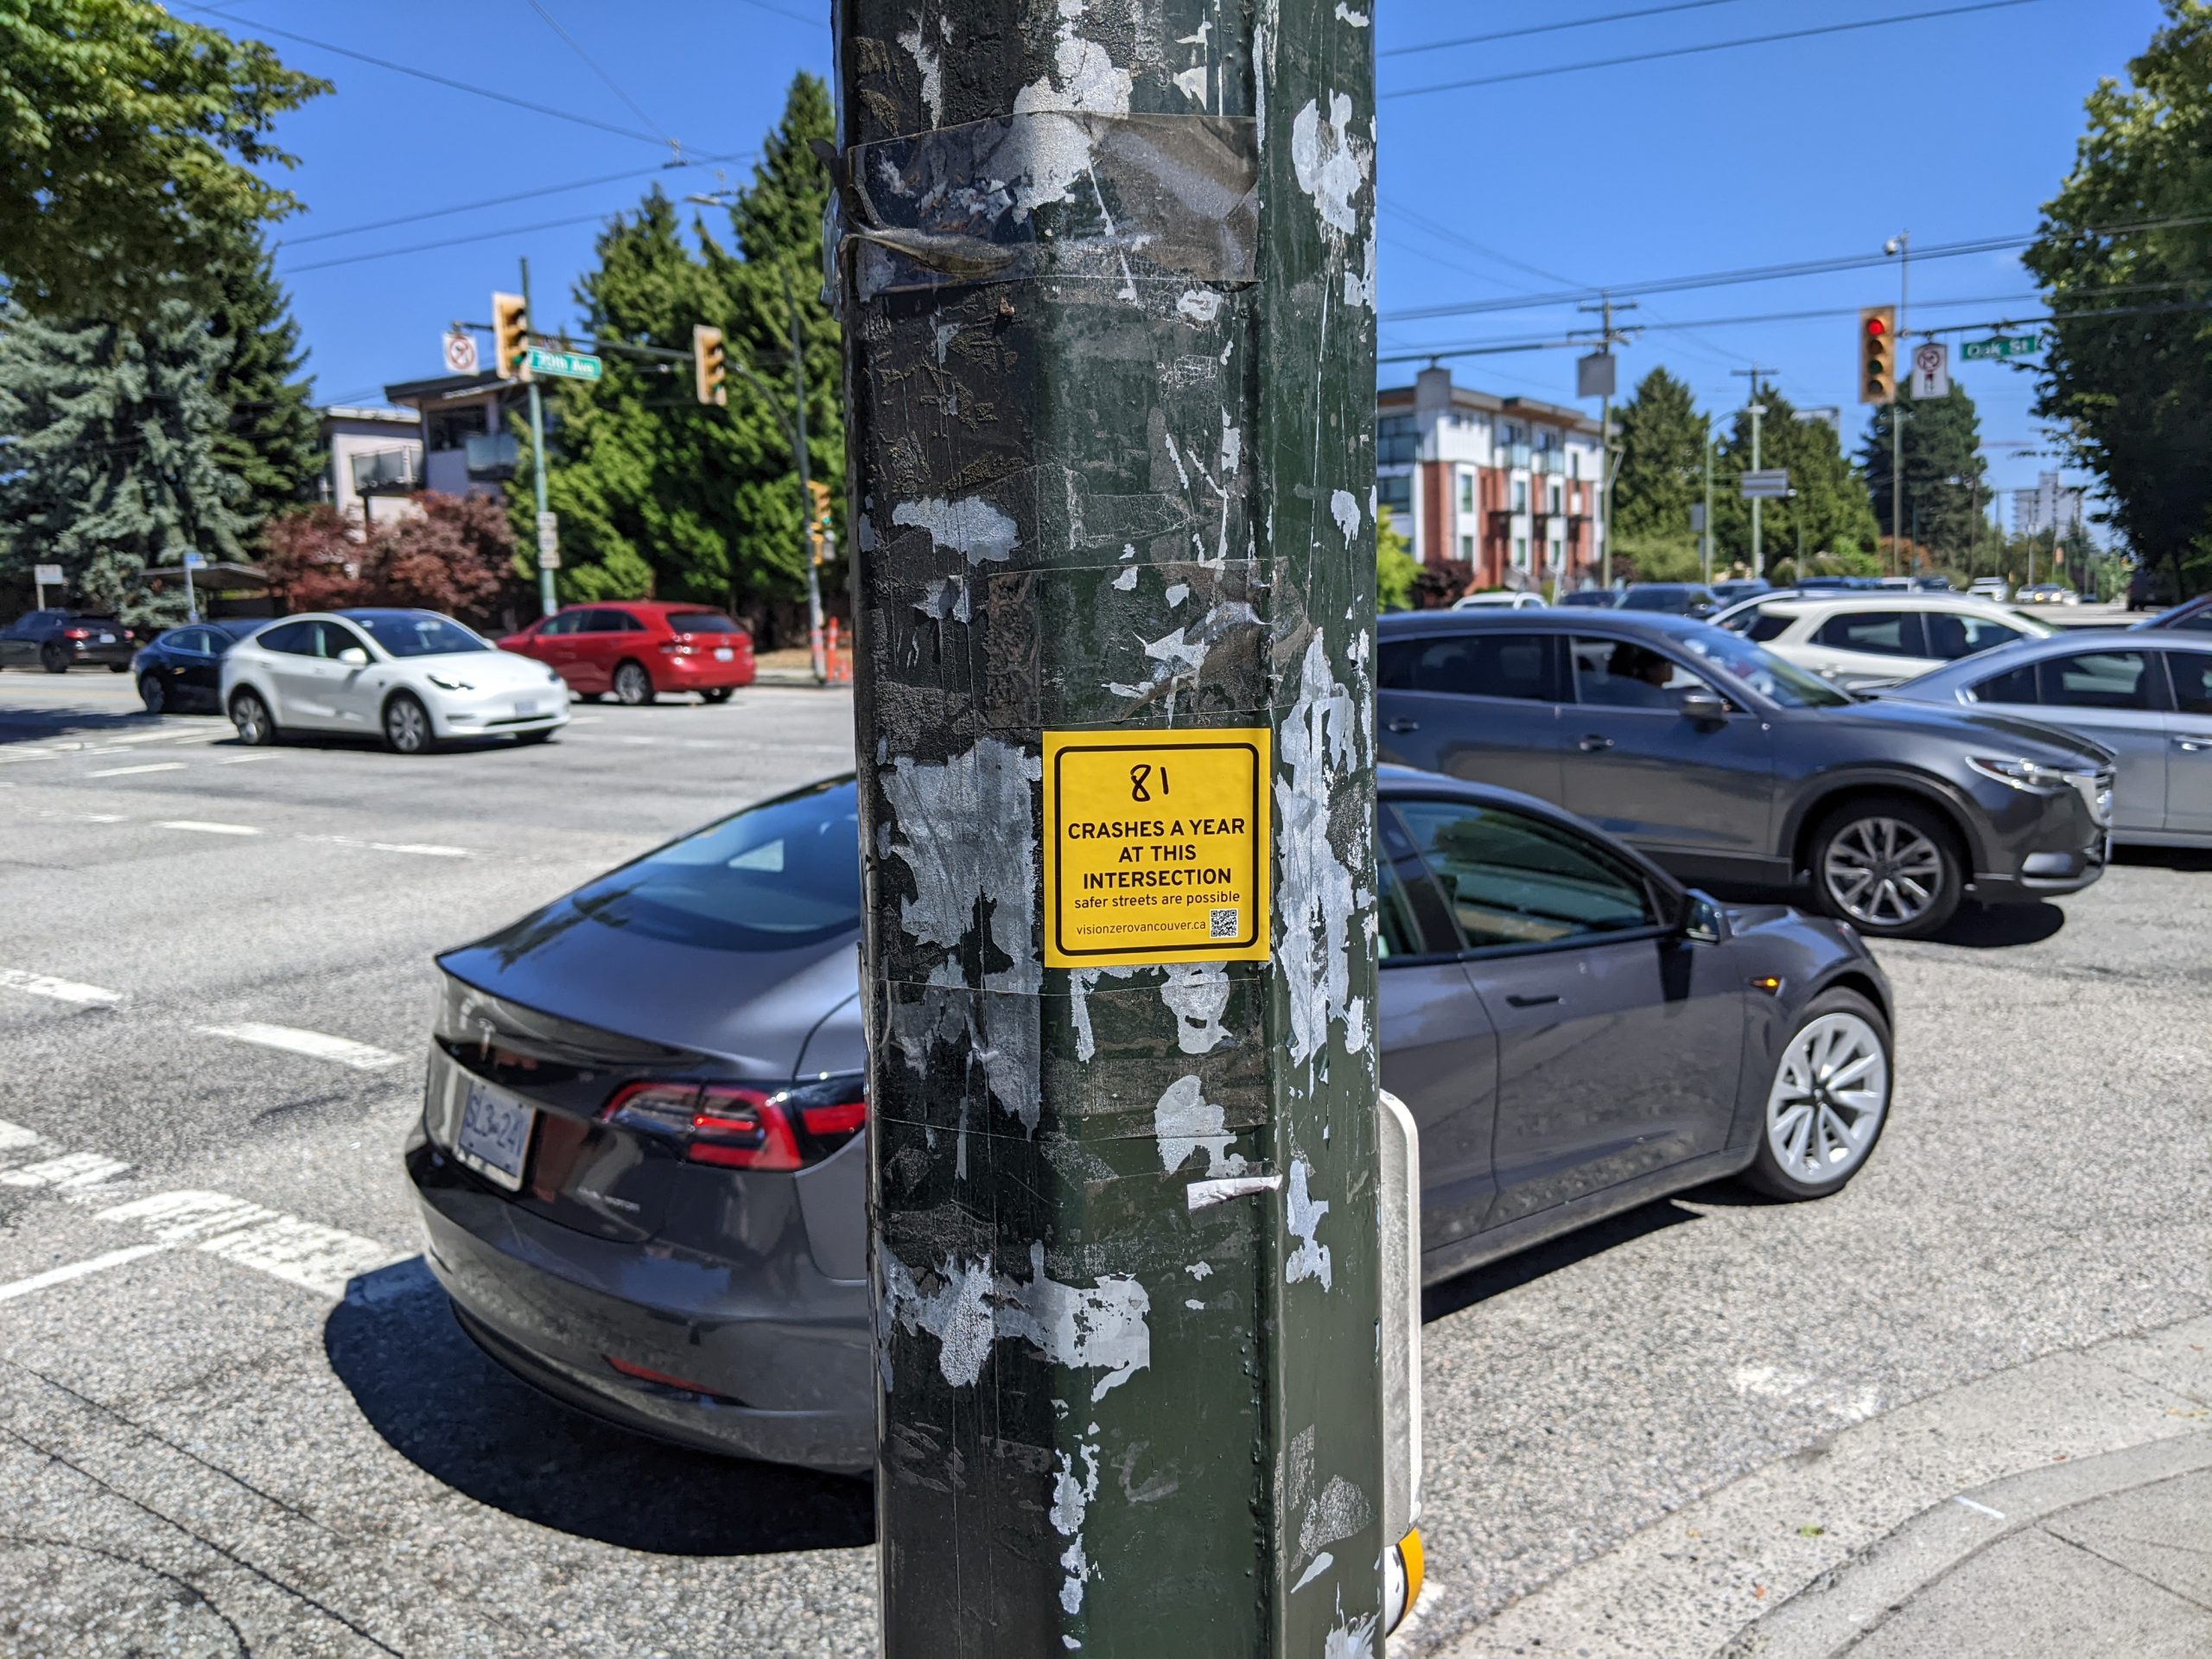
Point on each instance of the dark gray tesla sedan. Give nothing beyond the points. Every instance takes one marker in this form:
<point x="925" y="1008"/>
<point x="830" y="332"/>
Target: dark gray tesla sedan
<point x="1727" y="763"/>
<point x="641" y="1164"/>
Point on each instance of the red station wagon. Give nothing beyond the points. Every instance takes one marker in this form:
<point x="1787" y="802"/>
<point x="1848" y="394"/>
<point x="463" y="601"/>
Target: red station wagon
<point x="639" y="648"/>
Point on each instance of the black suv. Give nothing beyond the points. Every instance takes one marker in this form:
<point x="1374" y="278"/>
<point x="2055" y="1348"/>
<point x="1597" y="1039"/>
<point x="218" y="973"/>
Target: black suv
<point x="1725" y="763"/>
<point x="58" y="640"/>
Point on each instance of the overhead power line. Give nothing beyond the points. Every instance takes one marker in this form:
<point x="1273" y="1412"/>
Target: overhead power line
<point x="251" y="27"/>
<point x="1549" y="28"/>
<point x="1772" y="273"/>
<point x="520" y="195"/>
<point x="449" y="242"/>
<point x="592" y="64"/>
<point x="1709" y="46"/>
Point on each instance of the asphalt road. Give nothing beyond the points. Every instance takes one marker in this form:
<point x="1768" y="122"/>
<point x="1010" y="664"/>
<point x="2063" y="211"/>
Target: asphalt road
<point x="247" y="1423"/>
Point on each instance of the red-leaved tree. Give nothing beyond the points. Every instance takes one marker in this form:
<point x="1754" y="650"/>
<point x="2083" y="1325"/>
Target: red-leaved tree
<point x="313" y="558"/>
<point x="451" y="553"/>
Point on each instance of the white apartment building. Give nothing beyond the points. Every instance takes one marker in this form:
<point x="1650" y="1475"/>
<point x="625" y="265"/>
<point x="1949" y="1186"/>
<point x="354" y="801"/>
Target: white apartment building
<point x="1508" y="484"/>
<point x="2049" y="508"/>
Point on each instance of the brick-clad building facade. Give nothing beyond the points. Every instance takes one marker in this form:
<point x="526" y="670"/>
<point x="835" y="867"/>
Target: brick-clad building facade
<point x="1509" y="484"/>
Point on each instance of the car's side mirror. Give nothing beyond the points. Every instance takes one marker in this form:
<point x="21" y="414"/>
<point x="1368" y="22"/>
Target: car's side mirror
<point x="353" y="657"/>
<point x="1701" y="920"/>
<point x="1703" y="707"/>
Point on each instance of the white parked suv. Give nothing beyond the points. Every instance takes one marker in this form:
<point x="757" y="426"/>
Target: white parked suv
<point x="413" y="678"/>
<point x="1864" y="640"/>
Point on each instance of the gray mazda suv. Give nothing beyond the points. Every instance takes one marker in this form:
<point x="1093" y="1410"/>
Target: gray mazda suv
<point x="1727" y="764"/>
<point x="641" y="1163"/>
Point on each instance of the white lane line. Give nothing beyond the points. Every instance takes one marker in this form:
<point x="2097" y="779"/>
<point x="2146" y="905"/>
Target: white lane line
<point x="15" y="1135"/>
<point x="239" y="760"/>
<point x="126" y="771"/>
<point x="68" y="1173"/>
<point x="422" y="848"/>
<point x="86" y="818"/>
<point x="302" y="1253"/>
<point x="77" y="1270"/>
<point x="316" y="1044"/>
<point x="61" y="990"/>
<point x="161" y="736"/>
<point x="206" y="829"/>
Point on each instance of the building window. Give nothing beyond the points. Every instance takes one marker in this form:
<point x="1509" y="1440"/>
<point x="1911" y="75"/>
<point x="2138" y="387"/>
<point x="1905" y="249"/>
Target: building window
<point x="1558" y="496"/>
<point x="1395" y="492"/>
<point x="1520" y="552"/>
<point x="1466" y="492"/>
<point x="451" y="429"/>
<point x="1575" y="463"/>
<point x="1397" y="441"/>
<point x="1520" y="495"/>
<point x="1467" y="549"/>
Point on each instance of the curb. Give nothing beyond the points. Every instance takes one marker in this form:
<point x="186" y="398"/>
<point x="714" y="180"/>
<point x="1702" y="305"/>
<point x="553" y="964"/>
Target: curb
<point x="1841" y="1607"/>
<point x="1709" y="1577"/>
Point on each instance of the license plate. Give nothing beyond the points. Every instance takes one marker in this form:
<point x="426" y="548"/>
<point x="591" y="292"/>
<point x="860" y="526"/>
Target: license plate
<point x="723" y="654"/>
<point x="528" y="709"/>
<point x="107" y="638"/>
<point x="494" y="1138"/>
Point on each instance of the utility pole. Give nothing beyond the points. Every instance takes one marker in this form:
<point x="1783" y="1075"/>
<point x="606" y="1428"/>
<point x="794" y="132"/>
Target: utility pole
<point x="1757" y="412"/>
<point x="1708" y="506"/>
<point x="1111" y="438"/>
<point x="805" y="484"/>
<point x="1901" y="246"/>
<point x="1608" y="337"/>
<point x="548" y="600"/>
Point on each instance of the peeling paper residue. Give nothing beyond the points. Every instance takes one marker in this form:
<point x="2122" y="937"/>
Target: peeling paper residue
<point x="1198" y="305"/>
<point x="1177" y="592"/>
<point x="1204" y="1195"/>
<point x="1346" y="14"/>
<point x="1186" y="1122"/>
<point x="1315" y="898"/>
<point x="1196" y="993"/>
<point x="1055" y="154"/>
<point x="932" y="66"/>
<point x="1345" y="509"/>
<point x="1071" y="1500"/>
<point x="1200" y="1269"/>
<point x="1180" y="657"/>
<point x="1351" y="1638"/>
<point x="1104" y="1328"/>
<point x="1127" y="581"/>
<point x="1322" y="1563"/>
<point x="972" y="526"/>
<point x="1334" y="166"/>
<point x="1081" y="983"/>
<point x="1303" y="1220"/>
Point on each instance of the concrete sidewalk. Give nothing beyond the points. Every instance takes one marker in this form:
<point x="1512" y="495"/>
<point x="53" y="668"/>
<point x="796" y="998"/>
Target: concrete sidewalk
<point x="2062" y="1507"/>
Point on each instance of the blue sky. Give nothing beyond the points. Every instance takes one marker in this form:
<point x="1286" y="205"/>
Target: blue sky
<point x="1954" y="128"/>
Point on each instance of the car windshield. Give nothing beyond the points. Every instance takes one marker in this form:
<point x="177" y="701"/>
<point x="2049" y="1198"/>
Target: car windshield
<point x="784" y="875"/>
<point x="1764" y="672"/>
<point x="702" y="622"/>
<point x="415" y="633"/>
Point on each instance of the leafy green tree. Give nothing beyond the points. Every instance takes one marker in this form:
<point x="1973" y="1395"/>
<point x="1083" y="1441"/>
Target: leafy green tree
<point x="112" y="468"/>
<point x="1827" y="513"/>
<point x="1662" y="468"/>
<point x="2131" y="396"/>
<point x="1945" y="477"/>
<point x="271" y="441"/>
<point x="1396" y="567"/>
<point x="129" y="142"/>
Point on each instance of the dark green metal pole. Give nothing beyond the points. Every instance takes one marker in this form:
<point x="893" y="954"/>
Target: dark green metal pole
<point x="1107" y="278"/>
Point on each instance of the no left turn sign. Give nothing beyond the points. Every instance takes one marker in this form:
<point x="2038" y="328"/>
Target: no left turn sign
<point x="461" y="352"/>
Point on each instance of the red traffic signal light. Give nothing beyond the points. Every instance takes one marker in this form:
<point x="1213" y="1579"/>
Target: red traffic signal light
<point x="1878" y="369"/>
<point x="1876" y="326"/>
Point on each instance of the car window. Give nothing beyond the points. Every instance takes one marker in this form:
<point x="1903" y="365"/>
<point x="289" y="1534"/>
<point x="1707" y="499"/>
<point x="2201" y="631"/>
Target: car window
<point x="2014" y="686"/>
<point x="784" y="875"/>
<point x="1761" y="625"/>
<point x="2094" y="679"/>
<point x="186" y="640"/>
<point x="2199" y="623"/>
<point x="418" y="633"/>
<point x="1486" y="664"/>
<point x="293" y="639"/>
<point x="337" y="636"/>
<point x="1952" y="635"/>
<point x="1879" y="634"/>
<point x="1621" y="674"/>
<point x="1396" y="933"/>
<point x="1512" y="879"/>
<point x="702" y="622"/>
<point x="2192" y="674"/>
<point x="555" y="626"/>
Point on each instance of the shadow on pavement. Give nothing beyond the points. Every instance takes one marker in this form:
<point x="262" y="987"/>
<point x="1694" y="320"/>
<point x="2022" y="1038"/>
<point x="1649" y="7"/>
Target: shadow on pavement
<point x="1995" y="927"/>
<point x="1480" y="1284"/>
<point x="45" y="725"/>
<point x="435" y="1398"/>
<point x="2165" y="858"/>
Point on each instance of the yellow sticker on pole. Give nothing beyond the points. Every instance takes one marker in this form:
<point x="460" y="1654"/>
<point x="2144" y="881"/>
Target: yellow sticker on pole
<point x="1155" y="847"/>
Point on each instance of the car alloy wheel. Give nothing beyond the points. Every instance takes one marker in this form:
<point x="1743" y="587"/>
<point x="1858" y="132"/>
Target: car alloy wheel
<point x="1830" y="1095"/>
<point x="406" y="726"/>
<point x="1883" y="873"/>
<point x="150" y="692"/>
<point x="633" y="685"/>
<point x="251" y="717"/>
<point x="52" y="658"/>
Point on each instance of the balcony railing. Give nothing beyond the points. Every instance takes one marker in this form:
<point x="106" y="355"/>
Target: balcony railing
<point x="387" y="472"/>
<point x="493" y="454"/>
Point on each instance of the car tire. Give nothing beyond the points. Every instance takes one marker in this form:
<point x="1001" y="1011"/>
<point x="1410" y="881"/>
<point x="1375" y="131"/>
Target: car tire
<point x="119" y="668"/>
<point x="52" y="658"/>
<point x="545" y="736"/>
<point x="720" y="694"/>
<point x="1828" y="1102"/>
<point x="406" y="724"/>
<point x="1891" y="867"/>
<point x="250" y="715"/>
<point x="589" y="697"/>
<point x="153" y="694"/>
<point x="633" y="685"/>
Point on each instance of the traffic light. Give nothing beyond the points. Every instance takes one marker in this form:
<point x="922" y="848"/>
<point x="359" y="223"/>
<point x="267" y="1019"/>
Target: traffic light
<point x="817" y="528"/>
<point x="511" y="336"/>
<point x="1878" y="354"/>
<point x="708" y="368"/>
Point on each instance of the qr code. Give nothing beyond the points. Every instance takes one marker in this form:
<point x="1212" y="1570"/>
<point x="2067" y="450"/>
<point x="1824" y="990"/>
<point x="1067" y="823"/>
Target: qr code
<point x="1225" y="925"/>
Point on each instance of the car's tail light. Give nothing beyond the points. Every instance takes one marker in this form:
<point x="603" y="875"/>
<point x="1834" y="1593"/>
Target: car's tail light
<point x="646" y="1374"/>
<point x="76" y="634"/>
<point x="734" y="1126"/>
<point x="679" y="646"/>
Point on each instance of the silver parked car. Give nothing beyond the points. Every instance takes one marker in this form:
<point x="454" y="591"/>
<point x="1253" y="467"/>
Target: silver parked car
<point x="2146" y="696"/>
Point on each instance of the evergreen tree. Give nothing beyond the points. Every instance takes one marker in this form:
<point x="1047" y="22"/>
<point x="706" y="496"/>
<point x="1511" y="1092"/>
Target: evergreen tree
<point x="1827" y="513"/>
<point x="271" y="441"/>
<point x="1944" y="474"/>
<point x="1662" y="469"/>
<point x="110" y="456"/>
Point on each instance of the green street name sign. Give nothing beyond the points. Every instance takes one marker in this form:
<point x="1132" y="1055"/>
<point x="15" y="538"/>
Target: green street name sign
<point x="2003" y="345"/>
<point x="573" y="365"/>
